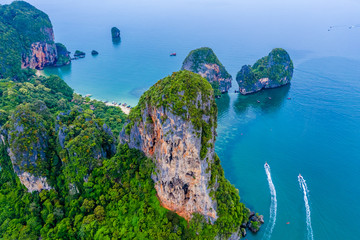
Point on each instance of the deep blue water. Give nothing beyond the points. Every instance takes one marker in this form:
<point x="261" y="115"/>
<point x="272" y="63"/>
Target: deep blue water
<point x="316" y="133"/>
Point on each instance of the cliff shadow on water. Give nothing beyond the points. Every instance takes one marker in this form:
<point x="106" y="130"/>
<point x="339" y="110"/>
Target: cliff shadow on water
<point x="62" y="71"/>
<point x="267" y="100"/>
<point x="223" y="104"/>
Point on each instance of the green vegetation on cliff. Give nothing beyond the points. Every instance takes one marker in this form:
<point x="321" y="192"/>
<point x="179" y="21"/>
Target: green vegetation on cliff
<point x="63" y="55"/>
<point x="20" y="25"/>
<point x="205" y="55"/>
<point x="271" y="66"/>
<point x="276" y="66"/>
<point x="179" y="94"/>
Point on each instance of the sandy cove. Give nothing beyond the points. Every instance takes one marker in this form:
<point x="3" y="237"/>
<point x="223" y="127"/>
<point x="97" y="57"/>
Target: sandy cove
<point x="126" y="110"/>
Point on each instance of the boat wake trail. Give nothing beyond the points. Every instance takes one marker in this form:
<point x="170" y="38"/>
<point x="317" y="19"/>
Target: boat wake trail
<point x="304" y="187"/>
<point x="273" y="204"/>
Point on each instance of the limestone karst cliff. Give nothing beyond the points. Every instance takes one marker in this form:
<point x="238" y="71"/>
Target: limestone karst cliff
<point x="204" y="62"/>
<point x="175" y="124"/>
<point x="272" y="71"/>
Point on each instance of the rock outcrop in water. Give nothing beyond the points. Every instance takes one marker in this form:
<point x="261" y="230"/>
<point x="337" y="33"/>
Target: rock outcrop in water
<point x="79" y="54"/>
<point x="27" y="39"/>
<point x="63" y="55"/>
<point x="115" y="33"/>
<point x="272" y="71"/>
<point x="175" y="124"/>
<point x="94" y="52"/>
<point x="204" y="62"/>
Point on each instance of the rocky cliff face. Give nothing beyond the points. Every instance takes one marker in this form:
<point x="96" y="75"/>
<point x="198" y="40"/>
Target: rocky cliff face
<point x="174" y="124"/>
<point x="41" y="54"/>
<point x="204" y="62"/>
<point x="271" y="71"/>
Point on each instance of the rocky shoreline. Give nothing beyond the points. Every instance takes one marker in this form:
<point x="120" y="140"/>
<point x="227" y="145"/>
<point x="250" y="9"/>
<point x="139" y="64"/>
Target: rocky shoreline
<point x="254" y="223"/>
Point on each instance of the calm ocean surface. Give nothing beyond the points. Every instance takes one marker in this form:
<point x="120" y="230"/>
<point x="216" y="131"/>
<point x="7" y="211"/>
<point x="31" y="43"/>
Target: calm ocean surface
<point x="316" y="133"/>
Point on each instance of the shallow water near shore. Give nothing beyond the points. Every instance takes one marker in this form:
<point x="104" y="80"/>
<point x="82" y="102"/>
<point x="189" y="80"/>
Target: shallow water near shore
<point x="315" y="133"/>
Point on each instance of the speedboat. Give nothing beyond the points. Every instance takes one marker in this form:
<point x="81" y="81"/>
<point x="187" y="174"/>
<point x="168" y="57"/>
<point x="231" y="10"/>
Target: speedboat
<point x="266" y="164"/>
<point x="173" y="54"/>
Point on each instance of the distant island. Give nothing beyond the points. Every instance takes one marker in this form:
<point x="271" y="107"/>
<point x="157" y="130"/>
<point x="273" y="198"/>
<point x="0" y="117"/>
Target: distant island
<point x="94" y="52"/>
<point x="115" y="33"/>
<point x="79" y="54"/>
<point x="204" y="62"/>
<point x="272" y="71"/>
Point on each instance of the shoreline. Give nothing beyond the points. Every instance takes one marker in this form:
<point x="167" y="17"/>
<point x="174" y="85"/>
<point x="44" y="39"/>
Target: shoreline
<point x="125" y="109"/>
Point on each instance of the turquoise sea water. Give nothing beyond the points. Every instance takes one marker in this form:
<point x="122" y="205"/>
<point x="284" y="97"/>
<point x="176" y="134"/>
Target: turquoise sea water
<point x="316" y="133"/>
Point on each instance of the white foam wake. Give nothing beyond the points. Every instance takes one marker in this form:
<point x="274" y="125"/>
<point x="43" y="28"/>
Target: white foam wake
<point x="273" y="204"/>
<point x="304" y="187"/>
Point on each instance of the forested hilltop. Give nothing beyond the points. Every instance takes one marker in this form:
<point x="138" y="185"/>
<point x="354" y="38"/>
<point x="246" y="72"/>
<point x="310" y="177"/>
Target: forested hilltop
<point x="66" y="174"/>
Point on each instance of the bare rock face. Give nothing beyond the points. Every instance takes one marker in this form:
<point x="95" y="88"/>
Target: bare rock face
<point x="204" y="62"/>
<point x="41" y="55"/>
<point x="175" y="124"/>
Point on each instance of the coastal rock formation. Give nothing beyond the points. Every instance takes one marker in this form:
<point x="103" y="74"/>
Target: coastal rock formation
<point x="79" y="54"/>
<point x="27" y="39"/>
<point x="63" y="55"/>
<point x="255" y="221"/>
<point x="94" y="52"/>
<point x="27" y="140"/>
<point x="272" y="71"/>
<point x="175" y="124"/>
<point x="115" y="32"/>
<point x="41" y="54"/>
<point x="204" y="62"/>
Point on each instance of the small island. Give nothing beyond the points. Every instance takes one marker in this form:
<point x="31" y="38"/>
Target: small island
<point x="79" y="54"/>
<point x="204" y="62"/>
<point x="272" y="71"/>
<point x="94" y="52"/>
<point x="115" y="33"/>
